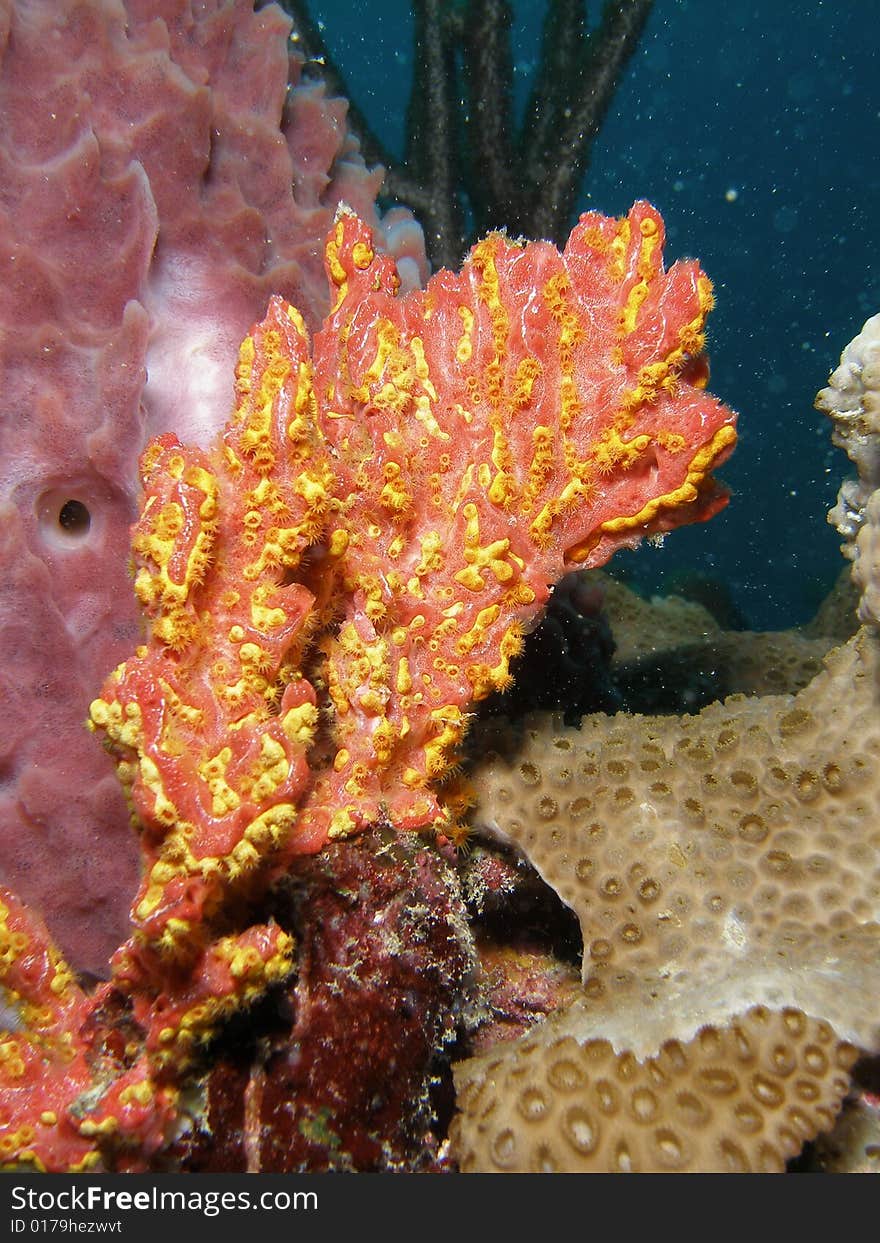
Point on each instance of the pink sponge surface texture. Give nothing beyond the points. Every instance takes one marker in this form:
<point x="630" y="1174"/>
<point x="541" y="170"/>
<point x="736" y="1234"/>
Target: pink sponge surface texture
<point x="163" y="171"/>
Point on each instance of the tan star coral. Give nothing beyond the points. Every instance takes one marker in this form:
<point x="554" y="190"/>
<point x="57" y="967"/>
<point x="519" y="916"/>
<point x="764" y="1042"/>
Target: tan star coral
<point x="738" y="1098"/>
<point x="725" y="870"/>
<point x="714" y="861"/>
<point x="685" y="636"/>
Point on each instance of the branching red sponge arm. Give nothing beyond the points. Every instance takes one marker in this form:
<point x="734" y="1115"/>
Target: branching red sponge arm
<point x="59" y="1099"/>
<point x="532" y="413"/>
<point x="445" y="457"/>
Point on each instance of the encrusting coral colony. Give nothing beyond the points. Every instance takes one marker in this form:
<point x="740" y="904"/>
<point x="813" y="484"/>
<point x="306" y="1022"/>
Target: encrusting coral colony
<point x="330" y="583"/>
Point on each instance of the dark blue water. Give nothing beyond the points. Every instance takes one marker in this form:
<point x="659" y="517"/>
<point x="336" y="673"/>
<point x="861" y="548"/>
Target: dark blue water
<point x="755" y="129"/>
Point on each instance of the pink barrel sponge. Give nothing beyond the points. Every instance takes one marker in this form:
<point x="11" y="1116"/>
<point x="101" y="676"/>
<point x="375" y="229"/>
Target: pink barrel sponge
<point x="160" y="182"/>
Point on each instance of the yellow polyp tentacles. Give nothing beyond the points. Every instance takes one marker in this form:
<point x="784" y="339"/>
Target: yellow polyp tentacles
<point x="358" y="672"/>
<point x="244" y="367"/>
<point x="540" y="466"/>
<point x="264" y="835"/>
<point x="305" y="405"/>
<point x="300" y="723"/>
<point x="679" y="498"/>
<point x="511" y="644"/>
<point x="485" y="620"/>
<point x="240" y="969"/>
<point x="653" y="379"/>
<point x="502" y="405"/>
<point x="374" y="596"/>
<point x="691" y="338"/>
<point x="482" y="259"/>
<point x="518" y="595"/>
<point x="407" y="389"/>
<point x="450" y="724"/>
<point x="213" y="773"/>
<point x="264" y="616"/>
<point x="526" y="375"/>
<point x="465" y="346"/>
<point x="181" y="719"/>
<point x="541" y="529"/>
<point x="12" y="943"/>
<point x="174" y="539"/>
<point x="613" y="453"/>
<point x="618" y="250"/>
<point x="646" y="267"/>
<point x="12" y="1064"/>
<point x="271" y="771"/>
<point x="383" y="740"/>
<point x="672" y="442"/>
<point x="256" y="432"/>
<point x="356" y="784"/>
<point x="556" y="295"/>
<point x="122" y="723"/>
<point x="495" y="557"/>
<point x="705" y="293"/>
<point x="559" y="299"/>
<point x="152" y="459"/>
<point x="315" y="487"/>
<point x="256" y="662"/>
<point x="376" y="494"/>
<point x="394" y="398"/>
<point x="395" y="495"/>
<point x="335" y="266"/>
<point x="663" y="376"/>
